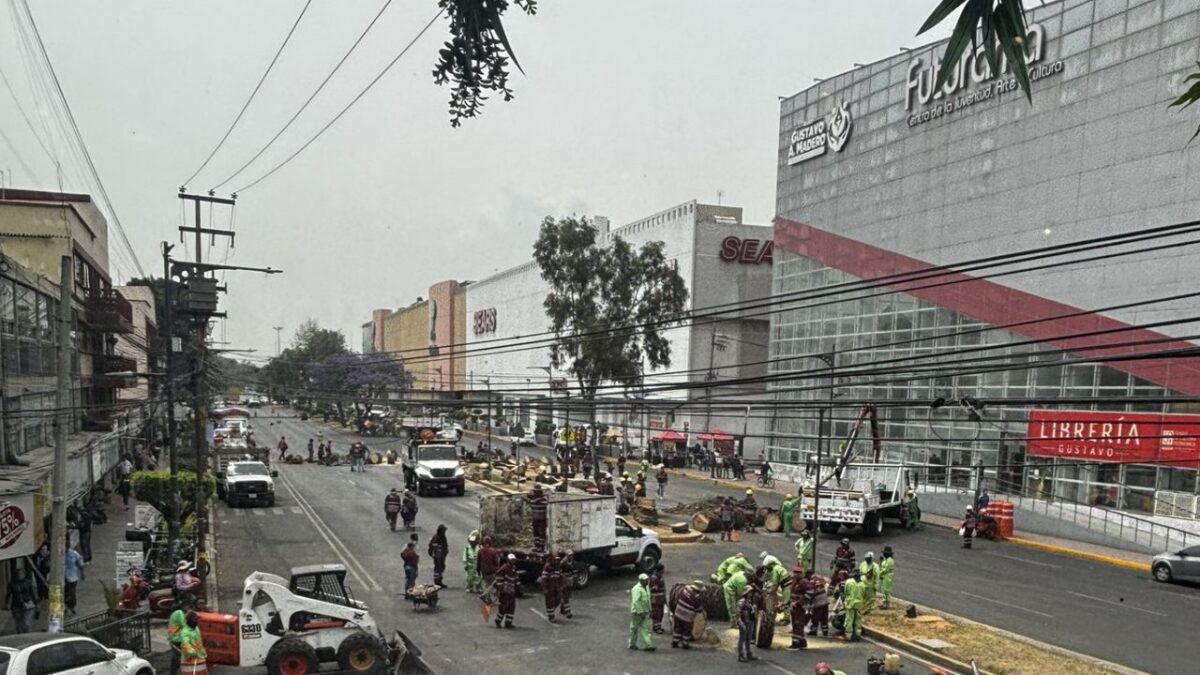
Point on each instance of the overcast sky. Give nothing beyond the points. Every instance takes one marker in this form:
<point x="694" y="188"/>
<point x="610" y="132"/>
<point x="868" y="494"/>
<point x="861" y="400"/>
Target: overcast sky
<point x="626" y="108"/>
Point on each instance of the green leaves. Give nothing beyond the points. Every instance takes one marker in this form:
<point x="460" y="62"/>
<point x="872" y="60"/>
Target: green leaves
<point x="995" y="27"/>
<point x="153" y="487"/>
<point x="1190" y="96"/>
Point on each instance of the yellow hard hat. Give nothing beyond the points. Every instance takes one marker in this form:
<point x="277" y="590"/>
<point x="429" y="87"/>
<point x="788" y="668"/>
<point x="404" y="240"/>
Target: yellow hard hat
<point x="788" y="496"/>
<point x="749" y="491"/>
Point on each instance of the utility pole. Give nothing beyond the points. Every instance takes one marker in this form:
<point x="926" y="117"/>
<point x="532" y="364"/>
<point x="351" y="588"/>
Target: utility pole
<point x="713" y="346"/>
<point x="173" y="521"/>
<point x="488" y="382"/>
<point x="830" y="360"/>
<point x="58" y="520"/>
<point x="278" y="330"/>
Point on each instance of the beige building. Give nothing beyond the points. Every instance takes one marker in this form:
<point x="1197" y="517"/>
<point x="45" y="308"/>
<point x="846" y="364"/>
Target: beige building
<point x="141" y="345"/>
<point x="427" y="336"/>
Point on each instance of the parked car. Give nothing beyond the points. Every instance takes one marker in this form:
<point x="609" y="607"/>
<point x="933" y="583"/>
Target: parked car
<point x="46" y="653"/>
<point x="247" y="483"/>
<point x="1182" y="564"/>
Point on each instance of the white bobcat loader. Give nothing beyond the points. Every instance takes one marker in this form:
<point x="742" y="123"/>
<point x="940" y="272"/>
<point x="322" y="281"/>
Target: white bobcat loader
<point x="293" y="625"/>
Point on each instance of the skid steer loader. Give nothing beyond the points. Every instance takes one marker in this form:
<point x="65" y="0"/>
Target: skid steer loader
<point x="293" y="625"/>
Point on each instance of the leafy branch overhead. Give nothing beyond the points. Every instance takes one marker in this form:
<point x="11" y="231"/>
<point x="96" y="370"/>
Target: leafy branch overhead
<point x="995" y="27"/>
<point x="476" y="57"/>
<point x="1191" y="95"/>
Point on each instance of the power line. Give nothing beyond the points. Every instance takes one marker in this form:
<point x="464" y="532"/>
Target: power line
<point x="252" y="94"/>
<point x="304" y="106"/>
<point x="346" y="109"/>
<point x="62" y="97"/>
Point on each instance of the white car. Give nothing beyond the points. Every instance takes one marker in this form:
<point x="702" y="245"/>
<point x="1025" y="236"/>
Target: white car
<point x="46" y="653"/>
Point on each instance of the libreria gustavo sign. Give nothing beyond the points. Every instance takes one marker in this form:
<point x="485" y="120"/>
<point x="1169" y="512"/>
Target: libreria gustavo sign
<point x="973" y="73"/>
<point x="812" y="139"/>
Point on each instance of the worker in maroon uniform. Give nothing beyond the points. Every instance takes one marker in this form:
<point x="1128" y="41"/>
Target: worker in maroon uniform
<point x="658" y="598"/>
<point x="843" y="557"/>
<point x="488" y="562"/>
<point x="568" y="569"/>
<point x="687" y="605"/>
<point x="816" y="595"/>
<point x="506" y="590"/>
<point x="726" y="514"/>
<point x="799" y="608"/>
<point x="552" y="582"/>
<point x="538" y="503"/>
<point x="606" y="487"/>
<point x="969" y="522"/>
<point x="749" y="510"/>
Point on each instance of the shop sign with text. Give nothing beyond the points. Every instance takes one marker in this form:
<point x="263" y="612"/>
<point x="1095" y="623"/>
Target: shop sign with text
<point x="812" y="139"/>
<point x="972" y="81"/>
<point x="1101" y="436"/>
<point x="747" y="251"/>
<point x="20" y="525"/>
<point x="485" y="321"/>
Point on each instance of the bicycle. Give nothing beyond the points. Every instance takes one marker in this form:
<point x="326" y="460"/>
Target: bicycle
<point x="767" y="481"/>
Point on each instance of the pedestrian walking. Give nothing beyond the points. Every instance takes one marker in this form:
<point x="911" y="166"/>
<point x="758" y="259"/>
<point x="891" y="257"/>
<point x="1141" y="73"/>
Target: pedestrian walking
<point x="804" y="550"/>
<point x="506" y="589"/>
<point x="41" y="571"/>
<point x="72" y="575"/>
<point x="489" y="562"/>
<point x="193" y="659"/>
<point x="438" y="549"/>
<point x="21" y="599"/>
<point x="408" y="509"/>
<point x="658" y="598"/>
<point x="175" y="627"/>
<point x="852" y="593"/>
<point x="887" y="574"/>
<point x="391" y="507"/>
<point x="552" y="581"/>
<point x="470" y="558"/>
<point x="967" y="528"/>
<point x="747" y="621"/>
<point x="282" y="446"/>
<point x="124" y="488"/>
<point x="912" y="511"/>
<point x="661" y="477"/>
<point x="411" y="560"/>
<point x="81" y="520"/>
<point x="639" y="614"/>
<point x="687" y="606"/>
<point x="358" y="457"/>
<point x="310" y="451"/>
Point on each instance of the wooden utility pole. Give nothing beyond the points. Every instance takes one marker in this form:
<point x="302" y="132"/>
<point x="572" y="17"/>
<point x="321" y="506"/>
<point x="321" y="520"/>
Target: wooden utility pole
<point x="173" y="520"/>
<point x="58" y="519"/>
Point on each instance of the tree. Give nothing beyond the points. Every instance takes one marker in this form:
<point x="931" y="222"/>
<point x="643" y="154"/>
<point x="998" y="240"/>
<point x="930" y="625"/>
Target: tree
<point x="608" y="304"/>
<point x="154" y="488"/>
<point x="475" y="56"/>
<point x="310" y="346"/>
<point x="360" y="379"/>
<point x="997" y="28"/>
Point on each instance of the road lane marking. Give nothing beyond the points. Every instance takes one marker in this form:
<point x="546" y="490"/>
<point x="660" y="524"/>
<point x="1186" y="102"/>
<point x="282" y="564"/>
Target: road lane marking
<point x="1115" y="604"/>
<point x="330" y="538"/>
<point x="259" y="512"/>
<point x="1001" y="602"/>
<point x="297" y="510"/>
<point x="934" y="558"/>
<point x="1013" y="557"/>
<point x="543" y="617"/>
<point x="277" y="511"/>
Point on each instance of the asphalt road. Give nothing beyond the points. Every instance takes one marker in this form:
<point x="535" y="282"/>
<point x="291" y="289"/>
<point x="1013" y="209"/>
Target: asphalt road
<point x="325" y="514"/>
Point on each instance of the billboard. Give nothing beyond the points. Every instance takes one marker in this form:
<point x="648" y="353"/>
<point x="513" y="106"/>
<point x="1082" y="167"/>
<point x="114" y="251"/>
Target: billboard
<point x="1117" y="437"/>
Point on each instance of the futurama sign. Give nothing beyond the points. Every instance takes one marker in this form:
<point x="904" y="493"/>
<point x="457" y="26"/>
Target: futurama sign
<point x="973" y="71"/>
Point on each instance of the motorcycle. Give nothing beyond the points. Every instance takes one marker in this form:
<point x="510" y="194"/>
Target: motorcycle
<point x="160" y="601"/>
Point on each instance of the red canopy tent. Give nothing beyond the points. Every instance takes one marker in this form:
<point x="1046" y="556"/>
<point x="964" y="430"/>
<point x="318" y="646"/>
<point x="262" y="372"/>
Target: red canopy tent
<point x="715" y="435"/>
<point x="669" y="436"/>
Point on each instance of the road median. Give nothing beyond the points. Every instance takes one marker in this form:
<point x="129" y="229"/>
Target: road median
<point x="1084" y="555"/>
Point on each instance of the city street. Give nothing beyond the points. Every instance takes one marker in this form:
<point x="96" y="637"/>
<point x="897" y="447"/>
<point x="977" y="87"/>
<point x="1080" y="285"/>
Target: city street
<point x="330" y="514"/>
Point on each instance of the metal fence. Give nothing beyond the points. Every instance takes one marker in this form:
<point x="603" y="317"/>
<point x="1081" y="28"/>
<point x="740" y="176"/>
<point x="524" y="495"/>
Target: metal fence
<point x="117" y="631"/>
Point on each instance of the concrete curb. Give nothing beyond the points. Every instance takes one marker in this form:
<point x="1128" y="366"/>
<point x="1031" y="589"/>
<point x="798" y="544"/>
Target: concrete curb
<point x="915" y="649"/>
<point x="1084" y="555"/>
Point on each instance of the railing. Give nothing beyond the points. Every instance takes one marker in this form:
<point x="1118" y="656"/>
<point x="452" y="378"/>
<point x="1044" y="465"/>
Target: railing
<point x="1153" y="536"/>
<point x="124" y="631"/>
<point x="109" y="311"/>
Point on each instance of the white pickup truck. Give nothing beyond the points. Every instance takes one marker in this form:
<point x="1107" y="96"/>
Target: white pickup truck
<point x="859" y="495"/>
<point x="586" y="525"/>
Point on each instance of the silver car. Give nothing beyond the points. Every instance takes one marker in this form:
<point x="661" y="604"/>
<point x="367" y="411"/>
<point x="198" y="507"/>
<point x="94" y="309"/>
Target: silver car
<point x="49" y="653"/>
<point x="1183" y="564"/>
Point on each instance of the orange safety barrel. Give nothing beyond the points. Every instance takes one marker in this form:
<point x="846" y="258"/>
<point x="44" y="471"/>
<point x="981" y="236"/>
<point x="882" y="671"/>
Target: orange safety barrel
<point x="221" y="637"/>
<point x="1005" y="508"/>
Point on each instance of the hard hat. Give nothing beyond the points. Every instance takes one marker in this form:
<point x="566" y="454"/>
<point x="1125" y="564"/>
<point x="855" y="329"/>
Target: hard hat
<point x="887" y="551"/>
<point x="823" y="669"/>
<point x="512" y="556"/>
<point x="869" y="555"/>
<point x="749" y="491"/>
<point x="846" y="542"/>
<point x="970" y="509"/>
<point x="643" y="577"/>
<point x="183" y="566"/>
<point x="788" y="496"/>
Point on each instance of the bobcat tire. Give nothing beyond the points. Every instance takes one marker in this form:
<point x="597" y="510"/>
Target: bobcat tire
<point x="362" y="653"/>
<point x="292" y="656"/>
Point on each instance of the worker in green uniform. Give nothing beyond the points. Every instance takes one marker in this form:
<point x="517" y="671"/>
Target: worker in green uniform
<point x="470" y="557"/>
<point x="733" y="591"/>
<point x="852" y="596"/>
<point x="913" y="521"/>
<point x="869" y="571"/>
<point x="175" y="626"/>
<point x="786" y="511"/>
<point x="730" y="565"/>
<point x="887" y="573"/>
<point x="639" y="614"/>
<point x="804" y="550"/>
<point x="777" y="586"/>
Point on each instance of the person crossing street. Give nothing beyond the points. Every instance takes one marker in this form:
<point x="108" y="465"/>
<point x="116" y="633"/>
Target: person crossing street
<point x="408" y="509"/>
<point x="639" y="614"/>
<point x="391" y="508"/>
<point x="282" y="446"/>
<point x="658" y="598"/>
<point x="887" y="574"/>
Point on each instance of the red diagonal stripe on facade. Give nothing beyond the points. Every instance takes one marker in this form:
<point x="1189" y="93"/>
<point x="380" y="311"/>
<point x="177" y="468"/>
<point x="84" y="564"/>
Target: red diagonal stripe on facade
<point x="995" y="304"/>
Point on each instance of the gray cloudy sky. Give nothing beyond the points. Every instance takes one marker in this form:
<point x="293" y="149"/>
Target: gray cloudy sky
<point x="627" y="108"/>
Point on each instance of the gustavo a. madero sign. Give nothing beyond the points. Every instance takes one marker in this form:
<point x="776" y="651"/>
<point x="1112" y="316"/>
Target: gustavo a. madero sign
<point x="811" y="139"/>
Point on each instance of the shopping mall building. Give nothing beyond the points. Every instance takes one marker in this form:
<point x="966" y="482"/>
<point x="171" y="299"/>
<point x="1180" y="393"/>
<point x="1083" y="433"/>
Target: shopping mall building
<point x="880" y="176"/>
<point x="500" y="346"/>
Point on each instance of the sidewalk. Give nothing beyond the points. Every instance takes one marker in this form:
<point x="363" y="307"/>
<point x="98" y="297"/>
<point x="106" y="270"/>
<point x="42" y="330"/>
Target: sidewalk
<point x="101" y="570"/>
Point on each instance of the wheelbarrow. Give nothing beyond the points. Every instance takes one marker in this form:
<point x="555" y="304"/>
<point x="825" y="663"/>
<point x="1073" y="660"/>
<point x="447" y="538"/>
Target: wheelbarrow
<point x="423" y="594"/>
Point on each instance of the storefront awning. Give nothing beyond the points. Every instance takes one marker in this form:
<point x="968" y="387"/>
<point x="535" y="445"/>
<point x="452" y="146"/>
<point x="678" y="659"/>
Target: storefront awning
<point x="715" y="435"/>
<point x="669" y="436"/>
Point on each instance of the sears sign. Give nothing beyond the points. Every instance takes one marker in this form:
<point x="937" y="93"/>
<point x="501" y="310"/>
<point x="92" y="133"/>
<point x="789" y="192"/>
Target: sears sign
<point x="485" y="321"/>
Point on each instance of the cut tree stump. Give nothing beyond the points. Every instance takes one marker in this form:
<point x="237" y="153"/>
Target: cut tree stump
<point x="680" y="528"/>
<point x="773" y="522"/>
